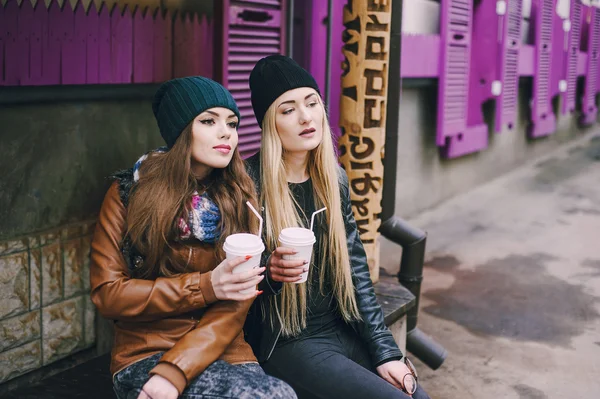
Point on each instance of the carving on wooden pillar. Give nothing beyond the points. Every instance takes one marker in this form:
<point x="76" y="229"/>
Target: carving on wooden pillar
<point x="362" y="119"/>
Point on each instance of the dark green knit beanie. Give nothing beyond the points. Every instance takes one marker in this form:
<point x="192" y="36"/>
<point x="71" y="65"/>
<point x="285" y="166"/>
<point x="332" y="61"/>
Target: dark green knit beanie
<point x="178" y="101"/>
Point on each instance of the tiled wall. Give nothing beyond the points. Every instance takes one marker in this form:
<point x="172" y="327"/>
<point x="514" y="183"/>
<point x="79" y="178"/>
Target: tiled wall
<point x="45" y="310"/>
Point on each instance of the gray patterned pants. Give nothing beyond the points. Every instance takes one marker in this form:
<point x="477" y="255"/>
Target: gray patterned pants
<point x="219" y="380"/>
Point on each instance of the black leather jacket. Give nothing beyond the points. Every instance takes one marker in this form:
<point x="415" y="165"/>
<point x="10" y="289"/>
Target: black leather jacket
<point x="371" y="329"/>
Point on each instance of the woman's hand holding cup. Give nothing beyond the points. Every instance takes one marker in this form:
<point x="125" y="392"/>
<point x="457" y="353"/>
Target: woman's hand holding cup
<point x="285" y="271"/>
<point x="227" y="285"/>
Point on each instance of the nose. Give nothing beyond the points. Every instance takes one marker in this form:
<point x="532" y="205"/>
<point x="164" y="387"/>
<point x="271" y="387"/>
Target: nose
<point x="305" y="116"/>
<point x="224" y="133"/>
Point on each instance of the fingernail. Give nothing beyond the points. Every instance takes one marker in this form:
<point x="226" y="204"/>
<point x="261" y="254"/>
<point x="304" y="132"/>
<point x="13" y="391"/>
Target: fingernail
<point x="259" y="292"/>
<point x="248" y="257"/>
<point x="306" y="269"/>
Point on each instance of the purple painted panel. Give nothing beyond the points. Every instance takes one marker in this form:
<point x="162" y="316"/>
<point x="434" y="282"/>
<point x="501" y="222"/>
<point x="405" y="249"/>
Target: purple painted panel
<point x="508" y="64"/>
<point x="13" y="54"/>
<point x="188" y="40"/>
<point x="526" y="60"/>
<point x="316" y="46"/>
<point x="420" y="56"/>
<point x="158" y="47"/>
<point x="337" y="57"/>
<point x="209" y="63"/>
<point x="104" y="47"/>
<point x="92" y="50"/>
<point x="257" y="17"/>
<point x="168" y="46"/>
<point x="572" y="58"/>
<point x="162" y="55"/>
<point x="121" y="25"/>
<point x="143" y="39"/>
<point x="543" y="121"/>
<point x="179" y="47"/>
<point x="3" y="34"/>
<point x="25" y="21"/>
<point x="66" y="25"/>
<point x="51" y="49"/>
<point x="589" y="107"/>
<point x="560" y="42"/>
<point x="453" y="89"/>
<point x="196" y="47"/>
<point x="485" y="52"/>
<point x="245" y="41"/>
<point x="205" y="57"/>
<point x="74" y="52"/>
<point x="38" y="29"/>
<point x="582" y="63"/>
<point x="474" y="139"/>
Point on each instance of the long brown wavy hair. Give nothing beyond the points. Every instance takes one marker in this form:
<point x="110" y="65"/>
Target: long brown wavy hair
<point x="163" y="194"/>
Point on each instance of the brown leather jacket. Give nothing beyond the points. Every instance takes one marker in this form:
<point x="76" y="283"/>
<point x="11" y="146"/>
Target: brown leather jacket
<point x="178" y="315"/>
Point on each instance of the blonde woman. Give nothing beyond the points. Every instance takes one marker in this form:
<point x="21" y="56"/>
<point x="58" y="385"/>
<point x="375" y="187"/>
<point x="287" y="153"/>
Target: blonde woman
<point x="326" y="337"/>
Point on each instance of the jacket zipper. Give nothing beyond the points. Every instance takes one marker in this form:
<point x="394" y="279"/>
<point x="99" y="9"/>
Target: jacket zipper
<point x="274" y="345"/>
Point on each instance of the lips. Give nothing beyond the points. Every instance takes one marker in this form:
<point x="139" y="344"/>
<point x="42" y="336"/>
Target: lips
<point x="223" y="148"/>
<point x="308" y="132"/>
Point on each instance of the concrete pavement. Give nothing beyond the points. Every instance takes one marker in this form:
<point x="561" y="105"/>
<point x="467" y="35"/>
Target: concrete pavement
<point x="512" y="282"/>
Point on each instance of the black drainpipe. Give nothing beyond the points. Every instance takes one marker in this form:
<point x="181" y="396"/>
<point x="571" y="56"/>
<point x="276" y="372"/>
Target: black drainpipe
<point x="411" y="239"/>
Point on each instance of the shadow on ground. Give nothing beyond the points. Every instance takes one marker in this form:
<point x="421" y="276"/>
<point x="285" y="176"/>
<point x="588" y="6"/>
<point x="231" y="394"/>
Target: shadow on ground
<point x="513" y="297"/>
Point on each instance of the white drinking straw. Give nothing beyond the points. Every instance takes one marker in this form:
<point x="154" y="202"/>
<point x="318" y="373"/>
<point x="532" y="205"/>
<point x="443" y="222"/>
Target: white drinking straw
<point x="258" y="216"/>
<point x="312" y="219"/>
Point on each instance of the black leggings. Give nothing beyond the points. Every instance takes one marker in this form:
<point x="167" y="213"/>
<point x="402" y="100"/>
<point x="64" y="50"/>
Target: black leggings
<point x="330" y="365"/>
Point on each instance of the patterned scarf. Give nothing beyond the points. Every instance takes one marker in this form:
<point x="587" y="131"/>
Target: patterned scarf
<point x="204" y="217"/>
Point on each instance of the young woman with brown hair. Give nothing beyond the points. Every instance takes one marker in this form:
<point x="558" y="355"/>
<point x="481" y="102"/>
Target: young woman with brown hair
<point x="326" y="337"/>
<point x="158" y="268"/>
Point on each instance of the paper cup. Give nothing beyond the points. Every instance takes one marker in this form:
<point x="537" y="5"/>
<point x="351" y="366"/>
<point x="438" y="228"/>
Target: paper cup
<point x="244" y="244"/>
<point x="301" y="240"/>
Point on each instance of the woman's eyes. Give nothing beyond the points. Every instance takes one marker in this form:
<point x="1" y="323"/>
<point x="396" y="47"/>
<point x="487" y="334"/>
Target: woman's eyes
<point x="311" y="104"/>
<point x="210" y="122"/>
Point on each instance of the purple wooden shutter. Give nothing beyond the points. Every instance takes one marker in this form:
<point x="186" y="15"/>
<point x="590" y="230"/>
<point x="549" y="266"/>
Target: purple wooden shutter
<point x="572" y="58"/>
<point x="74" y="45"/>
<point x="12" y="53"/>
<point x="543" y="121"/>
<point x="456" y="23"/>
<point x="589" y="108"/>
<point x="163" y="48"/>
<point x="121" y="27"/>
<point x="143" y="41"/>
<point x="39" y="28"/>
<point x="104" y="48"/>
<point x="92" y="49"/>
<point x="24" y="40"/>
<point x="506" y="105"/>
<point x="251" y="30"/>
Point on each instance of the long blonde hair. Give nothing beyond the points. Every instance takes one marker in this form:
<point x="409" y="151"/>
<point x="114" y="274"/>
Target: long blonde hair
<point x="280" y="212"/>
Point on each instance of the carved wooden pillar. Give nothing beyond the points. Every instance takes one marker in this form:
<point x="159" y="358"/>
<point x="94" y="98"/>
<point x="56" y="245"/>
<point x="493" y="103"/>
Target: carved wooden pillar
<point x="362" y="109"/>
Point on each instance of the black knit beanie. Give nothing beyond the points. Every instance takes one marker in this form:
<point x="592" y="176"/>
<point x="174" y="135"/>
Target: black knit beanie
<point x="178" y="101"/>
<point x="271" y="77"/>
